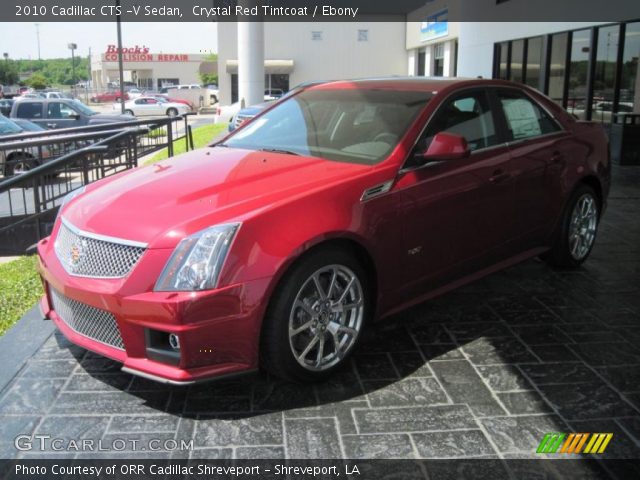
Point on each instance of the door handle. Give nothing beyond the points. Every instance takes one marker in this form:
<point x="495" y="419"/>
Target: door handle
<point x="52" y="125"/>
<point x="557" y="158"/>
<point x="499" y="176"/>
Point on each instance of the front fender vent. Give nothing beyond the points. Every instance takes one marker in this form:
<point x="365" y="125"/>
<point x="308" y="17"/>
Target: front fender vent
<point x="371" y="192"/>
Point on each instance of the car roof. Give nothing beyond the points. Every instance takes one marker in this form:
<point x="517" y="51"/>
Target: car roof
<point x="430" y="84"/>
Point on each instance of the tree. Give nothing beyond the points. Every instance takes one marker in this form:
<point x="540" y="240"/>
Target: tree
<point x="211" y="77"/>
<point x="37" y="81"/>
<point x="8" y="72"/>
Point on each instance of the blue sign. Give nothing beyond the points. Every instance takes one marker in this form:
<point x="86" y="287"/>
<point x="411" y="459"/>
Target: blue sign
<point x="436" y="26"/>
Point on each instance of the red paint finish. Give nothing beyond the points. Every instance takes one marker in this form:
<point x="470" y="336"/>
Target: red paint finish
<point x="437" y="227"/>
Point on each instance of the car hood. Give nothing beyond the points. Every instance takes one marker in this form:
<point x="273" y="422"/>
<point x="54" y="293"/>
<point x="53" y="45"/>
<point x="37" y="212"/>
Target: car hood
<point x="162" y="203"/>
<point x="110" y="118"/>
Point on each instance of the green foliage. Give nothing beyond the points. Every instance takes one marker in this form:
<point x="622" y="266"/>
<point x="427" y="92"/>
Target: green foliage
<point x="202" y="136"/>
<point x="20" y="289"/>
<point x="8" y="73"/>
<point x="209" y="78"/>
<point x="37" y="81"/>
<point x="59" y="71"/>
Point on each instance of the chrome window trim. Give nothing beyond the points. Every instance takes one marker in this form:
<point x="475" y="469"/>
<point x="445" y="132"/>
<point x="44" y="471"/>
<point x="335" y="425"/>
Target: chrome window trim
<point x="102" y="238"/>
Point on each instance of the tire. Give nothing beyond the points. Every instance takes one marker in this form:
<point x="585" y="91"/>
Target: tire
<point x="307" y="335"/>
<point x="117" y="99"/>
<point x="130" y="112"/>
<point x="19" y="164"/>
<point x="172" y="112"/>
<point x="576" y="234"/>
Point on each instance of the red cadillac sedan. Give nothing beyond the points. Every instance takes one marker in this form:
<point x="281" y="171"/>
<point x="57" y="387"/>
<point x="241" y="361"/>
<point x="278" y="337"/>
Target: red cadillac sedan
<point x="341" y="204"/>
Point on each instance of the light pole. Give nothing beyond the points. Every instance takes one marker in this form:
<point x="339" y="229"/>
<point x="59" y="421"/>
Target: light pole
<point x="72" y="47"/>
<point x="38" y="37"/>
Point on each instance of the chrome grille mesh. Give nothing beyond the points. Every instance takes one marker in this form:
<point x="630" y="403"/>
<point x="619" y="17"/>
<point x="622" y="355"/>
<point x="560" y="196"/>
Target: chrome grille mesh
<point x="86" y="320"/>
<point x="86" y="256"/>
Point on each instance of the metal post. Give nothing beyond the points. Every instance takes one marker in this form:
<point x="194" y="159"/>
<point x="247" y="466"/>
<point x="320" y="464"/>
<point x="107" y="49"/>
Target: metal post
<point x="120" y="64"/>
<point x="170" y="139"/>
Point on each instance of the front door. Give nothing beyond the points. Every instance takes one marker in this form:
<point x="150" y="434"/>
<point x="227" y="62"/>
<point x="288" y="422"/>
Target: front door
<point x="458" y="212"/>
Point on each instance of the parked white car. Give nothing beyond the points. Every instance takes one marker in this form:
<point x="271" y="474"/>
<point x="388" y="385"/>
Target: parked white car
<point x="224" y="114"/>
<point x="134" y="93"/>
<point x="154" y="106"/>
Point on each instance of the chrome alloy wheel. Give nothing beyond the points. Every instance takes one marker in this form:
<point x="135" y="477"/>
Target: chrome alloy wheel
<point x="582" y="229"/>
<point x="326" y="317"/>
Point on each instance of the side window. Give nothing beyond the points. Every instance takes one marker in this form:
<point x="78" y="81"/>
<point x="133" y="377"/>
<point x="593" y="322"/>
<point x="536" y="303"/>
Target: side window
<point x="59" y="110"/>
<point x="29" y="110"/>
<point x="525" y="118"/>
<point x="467" y="115"/>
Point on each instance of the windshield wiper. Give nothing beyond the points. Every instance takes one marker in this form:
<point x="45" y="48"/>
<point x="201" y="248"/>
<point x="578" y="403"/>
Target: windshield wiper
<point x="278" y="150"/>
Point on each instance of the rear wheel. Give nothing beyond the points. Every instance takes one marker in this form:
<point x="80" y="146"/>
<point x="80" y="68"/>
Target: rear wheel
<point x="316" y="317"/>
<point x="130" y="112"/>
<point x="172" y="112"/>
<point x="576" y="234"/>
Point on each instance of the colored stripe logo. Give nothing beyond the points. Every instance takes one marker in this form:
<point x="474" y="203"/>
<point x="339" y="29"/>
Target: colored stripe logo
<point x="574" y="443"/>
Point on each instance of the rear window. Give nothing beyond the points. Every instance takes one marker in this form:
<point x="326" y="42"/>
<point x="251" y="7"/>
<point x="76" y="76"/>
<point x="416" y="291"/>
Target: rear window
<point x="29" y="110"/>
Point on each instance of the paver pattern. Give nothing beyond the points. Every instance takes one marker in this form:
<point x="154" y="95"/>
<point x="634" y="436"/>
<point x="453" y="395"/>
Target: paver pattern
<point x="482" y="372"/>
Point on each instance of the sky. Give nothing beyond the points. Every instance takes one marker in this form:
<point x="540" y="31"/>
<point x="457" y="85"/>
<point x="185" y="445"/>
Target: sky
<point x="19" y="40"/>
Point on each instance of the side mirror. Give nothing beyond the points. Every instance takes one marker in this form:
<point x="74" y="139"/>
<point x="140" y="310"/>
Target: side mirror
<point x="446" y="146"/>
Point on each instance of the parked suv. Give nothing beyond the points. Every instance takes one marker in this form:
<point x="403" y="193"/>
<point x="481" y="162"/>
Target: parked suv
<point x="62" y="113"/>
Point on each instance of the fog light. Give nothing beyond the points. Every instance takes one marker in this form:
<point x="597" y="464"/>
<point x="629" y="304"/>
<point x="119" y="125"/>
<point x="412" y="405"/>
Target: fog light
<point x="174" y="341"/>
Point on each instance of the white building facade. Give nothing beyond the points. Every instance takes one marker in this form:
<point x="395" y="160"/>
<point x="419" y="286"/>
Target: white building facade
<point x="297" y="52"/>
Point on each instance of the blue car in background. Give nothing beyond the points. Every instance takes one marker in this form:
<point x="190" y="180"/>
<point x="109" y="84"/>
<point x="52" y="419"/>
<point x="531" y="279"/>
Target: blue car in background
<point x="246" y="114"/>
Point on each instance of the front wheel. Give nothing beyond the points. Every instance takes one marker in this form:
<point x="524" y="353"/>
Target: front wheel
<point x="316" y="317"/>
<point x="576" y="234"/>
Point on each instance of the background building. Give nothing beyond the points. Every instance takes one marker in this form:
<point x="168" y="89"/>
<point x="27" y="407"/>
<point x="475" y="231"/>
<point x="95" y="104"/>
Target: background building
<point x="301" y="52"/>
<point x="147" y="69"/>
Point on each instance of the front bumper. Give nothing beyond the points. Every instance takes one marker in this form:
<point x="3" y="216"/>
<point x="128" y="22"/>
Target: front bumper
<point x="218" y="330"/>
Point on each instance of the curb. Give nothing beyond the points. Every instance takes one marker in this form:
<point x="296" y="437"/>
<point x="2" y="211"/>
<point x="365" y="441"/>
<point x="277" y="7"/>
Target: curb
<point x="21" y="342"/>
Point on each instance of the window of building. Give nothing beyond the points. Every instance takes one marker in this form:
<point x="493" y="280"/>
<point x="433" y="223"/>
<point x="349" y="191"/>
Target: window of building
<point x="316" y="35"/>
<point x="578" y="72"/>
<point x="557" y="66"/>
<point x="422" y="63"/>
<point x="438" y="60"/>
<point x="363" y="35"/>
<point x="517" y="61"/>
<point x="524" y="117"/>
<point x="533" y="68"/>
<point x="629" y="79"/>
<point x="605" y="73"/>
<point x="502" y="54"/>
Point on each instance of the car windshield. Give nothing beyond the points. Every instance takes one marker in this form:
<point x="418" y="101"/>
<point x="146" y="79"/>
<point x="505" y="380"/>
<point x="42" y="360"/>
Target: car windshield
<point x="350" y="125"/>
<point x="78" y="105"/>
<point x="7" y="127"/>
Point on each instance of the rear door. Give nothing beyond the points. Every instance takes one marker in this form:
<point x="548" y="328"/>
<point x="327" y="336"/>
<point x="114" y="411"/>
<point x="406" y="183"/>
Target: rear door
<point x="539" y="150"/>
<point x="33" y="111"/>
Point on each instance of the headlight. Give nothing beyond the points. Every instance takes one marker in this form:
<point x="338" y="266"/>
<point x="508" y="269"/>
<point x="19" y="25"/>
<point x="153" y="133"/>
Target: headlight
<point x="70" y="196"/>
<point x="197" y="260"/>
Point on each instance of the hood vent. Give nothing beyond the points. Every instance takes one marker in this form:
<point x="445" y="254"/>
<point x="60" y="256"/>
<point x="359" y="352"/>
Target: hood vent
<point x="371" y="192"/>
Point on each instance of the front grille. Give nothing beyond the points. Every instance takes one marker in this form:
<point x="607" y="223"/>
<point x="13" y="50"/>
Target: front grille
<point x="85" y="255"/>
<point x="86" y="320"/>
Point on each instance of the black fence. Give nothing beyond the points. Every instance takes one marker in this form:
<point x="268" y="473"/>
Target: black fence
<point x="42" y="168"/>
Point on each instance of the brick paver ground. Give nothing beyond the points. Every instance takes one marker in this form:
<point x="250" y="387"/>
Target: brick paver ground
<point x="484" y="371"/>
